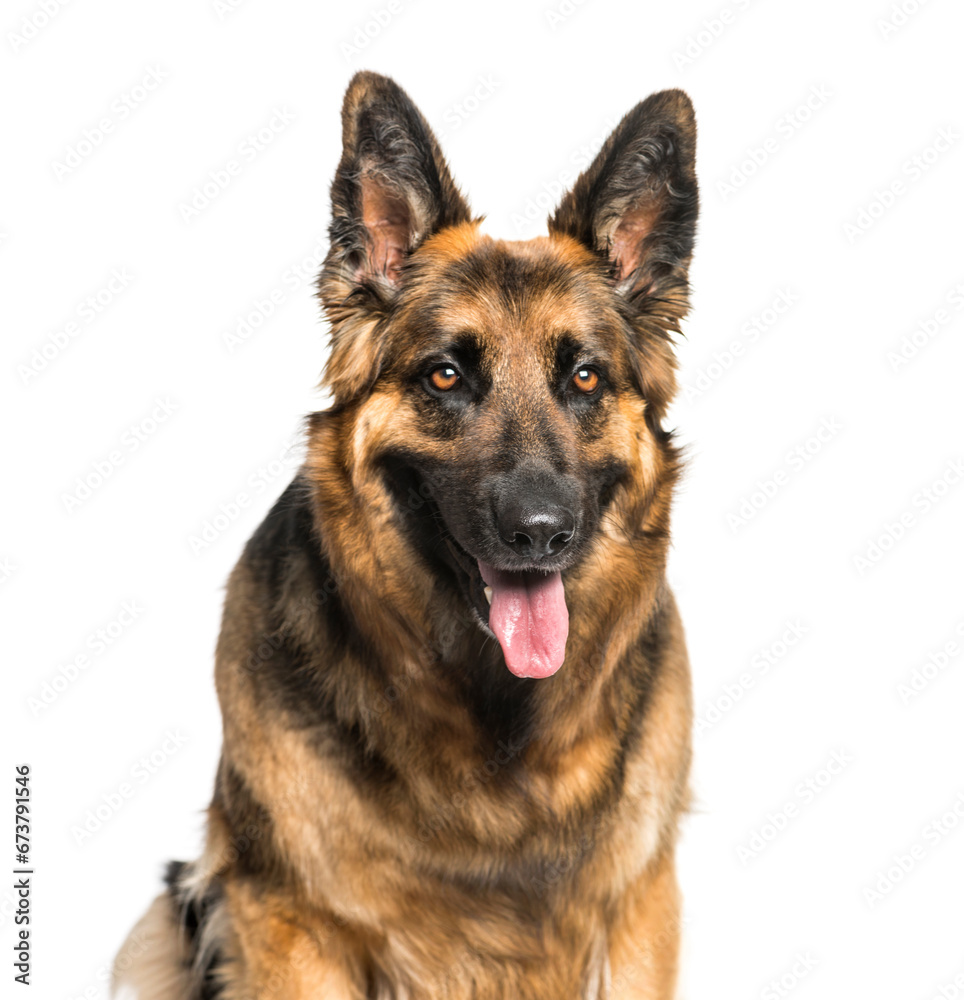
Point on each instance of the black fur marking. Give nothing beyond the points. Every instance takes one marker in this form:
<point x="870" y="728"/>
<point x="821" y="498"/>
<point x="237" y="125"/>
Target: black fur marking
<point x="192" y="914"/>
<point x="286" y="546"/>
<point x="518" y="280"/>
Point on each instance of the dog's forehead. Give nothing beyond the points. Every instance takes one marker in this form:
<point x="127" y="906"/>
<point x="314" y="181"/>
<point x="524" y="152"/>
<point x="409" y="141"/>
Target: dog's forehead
<point x="538" y="287"/>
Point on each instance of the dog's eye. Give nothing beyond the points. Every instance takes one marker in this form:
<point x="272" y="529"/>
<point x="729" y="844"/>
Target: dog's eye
<point x="444" y="378"/>
<point x="586" y="380"/>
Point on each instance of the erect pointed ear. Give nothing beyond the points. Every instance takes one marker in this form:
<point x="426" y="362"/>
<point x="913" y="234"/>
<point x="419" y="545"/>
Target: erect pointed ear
<point x="391" y="190"/>
<point x="637" y="202"/>
<point x="392" y="187"/>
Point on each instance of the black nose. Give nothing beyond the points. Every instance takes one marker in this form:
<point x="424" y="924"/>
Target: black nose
<point x="536" y="532"/>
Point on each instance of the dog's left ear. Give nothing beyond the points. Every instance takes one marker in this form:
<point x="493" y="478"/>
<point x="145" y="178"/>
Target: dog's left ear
<point x="392" y="189"/>
<point x="637" y="202"/>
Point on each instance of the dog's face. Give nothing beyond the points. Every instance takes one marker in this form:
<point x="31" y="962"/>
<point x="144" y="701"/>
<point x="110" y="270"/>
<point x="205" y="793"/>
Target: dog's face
<point x="509" y="394"/>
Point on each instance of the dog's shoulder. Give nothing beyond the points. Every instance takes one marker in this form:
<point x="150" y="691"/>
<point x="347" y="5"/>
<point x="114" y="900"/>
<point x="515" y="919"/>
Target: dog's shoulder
<point x="283" y="588"/>
<point x="287" y="532"/>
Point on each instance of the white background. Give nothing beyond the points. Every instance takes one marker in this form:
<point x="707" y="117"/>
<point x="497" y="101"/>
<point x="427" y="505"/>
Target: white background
<point x="549" y="84"/>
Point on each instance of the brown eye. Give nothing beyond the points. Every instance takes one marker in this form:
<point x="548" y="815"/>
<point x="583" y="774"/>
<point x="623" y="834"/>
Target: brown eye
<point x="444" y="378"/>
<point x="586" y="380"/>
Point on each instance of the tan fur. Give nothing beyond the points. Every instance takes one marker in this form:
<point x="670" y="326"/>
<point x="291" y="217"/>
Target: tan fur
<point x="154" y="963"/>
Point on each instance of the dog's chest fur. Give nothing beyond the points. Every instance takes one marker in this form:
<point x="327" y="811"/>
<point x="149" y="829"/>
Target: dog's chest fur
<point x="432" y="854"/>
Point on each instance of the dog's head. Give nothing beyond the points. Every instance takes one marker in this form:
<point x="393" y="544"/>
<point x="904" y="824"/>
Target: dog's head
<point x="510" y="394"/>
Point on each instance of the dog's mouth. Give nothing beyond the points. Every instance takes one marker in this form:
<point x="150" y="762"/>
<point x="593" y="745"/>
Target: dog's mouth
<point x="522" y="605"/>
<point x="524" y="609"/>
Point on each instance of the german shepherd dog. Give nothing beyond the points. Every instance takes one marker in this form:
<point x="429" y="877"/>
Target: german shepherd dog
<point x="453" y="678"/>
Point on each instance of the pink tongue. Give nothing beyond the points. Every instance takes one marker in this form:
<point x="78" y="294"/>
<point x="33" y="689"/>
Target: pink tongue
<point x="530" y="619"/>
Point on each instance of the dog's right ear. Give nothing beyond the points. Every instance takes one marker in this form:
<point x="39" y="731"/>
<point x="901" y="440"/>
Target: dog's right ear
<point x="392" y="189"/>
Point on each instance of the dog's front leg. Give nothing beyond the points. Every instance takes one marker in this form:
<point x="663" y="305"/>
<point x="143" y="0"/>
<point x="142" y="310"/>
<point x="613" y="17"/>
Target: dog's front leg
<point x="644" y="942"/>
<point x="274" y="954"/>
